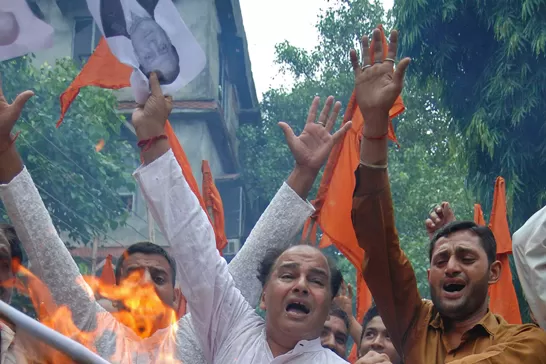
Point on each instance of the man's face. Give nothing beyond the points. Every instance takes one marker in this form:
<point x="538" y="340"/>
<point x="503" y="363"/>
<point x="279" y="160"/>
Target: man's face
<point x="376" y="338"/>
<point x="334" y="336"/>
<point x="155" y="51"/>
<point x="6" y="270"/>
<point x="460" y="274"/>
<point x="297" y="295"/>
<point x="156" y="271"/>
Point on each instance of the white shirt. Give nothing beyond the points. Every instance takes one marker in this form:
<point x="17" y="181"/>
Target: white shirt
<point x="10" y="350"/>
<point x="227" y="326"/>
<point x="529" y="249"/>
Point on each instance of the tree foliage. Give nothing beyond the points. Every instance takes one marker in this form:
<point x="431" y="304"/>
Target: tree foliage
<point x="426" y="170"/>
<point x="489" y="60"/>
<point x="79" y="186"/>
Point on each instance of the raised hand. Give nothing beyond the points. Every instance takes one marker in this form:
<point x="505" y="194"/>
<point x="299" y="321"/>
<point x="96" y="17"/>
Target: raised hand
<point x="149" y="119"/>
<point x="9" y="113"/>
<point x="439" y="217"/>
<point x="313" y="146"/>
<point x="344" y="299"/>
<point x="378" y="85"/>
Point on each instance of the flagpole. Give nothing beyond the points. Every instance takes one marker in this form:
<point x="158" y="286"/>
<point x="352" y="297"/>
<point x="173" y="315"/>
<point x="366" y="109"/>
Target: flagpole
<point x="73" y="349"/>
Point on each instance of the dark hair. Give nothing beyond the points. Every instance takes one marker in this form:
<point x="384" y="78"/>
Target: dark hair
<point x="485" y="234"/>
<point x="14" y="244"/>
<point x="271" y="256"/>
<point x="336" y="311"/>
<point x="148" y="248"/>
<point x="370" y="315"/>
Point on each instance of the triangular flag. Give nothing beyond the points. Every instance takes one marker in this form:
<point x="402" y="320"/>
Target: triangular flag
<point x="503" y="298"/>
<point x="478" y="215"/>
<point x="213" y="203"/>
<point x="108" y="276"/>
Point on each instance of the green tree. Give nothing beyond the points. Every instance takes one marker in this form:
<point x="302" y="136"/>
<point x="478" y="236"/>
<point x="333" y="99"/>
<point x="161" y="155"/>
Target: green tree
<point x="79" y="186"/>
<point x="426" y="170"/>
<point x="489" y="60"/>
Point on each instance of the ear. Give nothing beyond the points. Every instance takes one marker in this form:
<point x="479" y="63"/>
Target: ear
<point x="176" y="297"/>
<point x="428" y="275"/>
<point x="494" y="272"/>
<point x="262" y="302"/>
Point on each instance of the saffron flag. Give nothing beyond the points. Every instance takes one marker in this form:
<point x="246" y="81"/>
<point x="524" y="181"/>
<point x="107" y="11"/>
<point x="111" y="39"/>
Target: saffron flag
<point x="21" y="32"/>
<point x="150" y="35"/>
<point x="478" y="215"/>
<point x="214" y="206"/>
<point x="503" y="299"/>
<point x="108" y="276"/>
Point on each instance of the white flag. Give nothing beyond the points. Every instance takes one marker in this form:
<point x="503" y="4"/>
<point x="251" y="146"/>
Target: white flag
<point x="150" y="35"/>
<point x="21" y="32"/>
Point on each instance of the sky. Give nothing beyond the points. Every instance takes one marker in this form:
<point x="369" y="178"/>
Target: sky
<point x="262" y="20"/>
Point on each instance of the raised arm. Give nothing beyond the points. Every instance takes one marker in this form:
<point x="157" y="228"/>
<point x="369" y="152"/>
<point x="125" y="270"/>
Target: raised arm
<point x="283" y="220"/>
<point x="529" y="249"/>
<point x="387" y="270"/>
<point x="49" y="258"/>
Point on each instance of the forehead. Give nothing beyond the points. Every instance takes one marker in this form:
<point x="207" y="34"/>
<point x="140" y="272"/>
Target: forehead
<point x="376" y="324"/>
<point x="465" y="239"/>
<point x="305" y="256"/>
<point x="141" y="260"/>
<point x="336" y="324"/>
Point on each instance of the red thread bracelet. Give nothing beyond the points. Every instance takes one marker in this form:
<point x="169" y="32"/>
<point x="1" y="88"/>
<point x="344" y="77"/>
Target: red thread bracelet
<point x="146" y="144"/>
<point x="377" y="137"/>
<point x="13" y="139"/>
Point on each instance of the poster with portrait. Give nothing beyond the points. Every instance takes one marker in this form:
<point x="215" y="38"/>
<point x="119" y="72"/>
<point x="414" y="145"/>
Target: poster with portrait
<point x="21" y="32"/>
<point x="150" y="35"/>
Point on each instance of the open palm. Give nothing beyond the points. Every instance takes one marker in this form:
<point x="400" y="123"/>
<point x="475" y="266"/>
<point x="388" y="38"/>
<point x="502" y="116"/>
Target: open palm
<point x="378" y="85"/>
<point x="313" y="146"/>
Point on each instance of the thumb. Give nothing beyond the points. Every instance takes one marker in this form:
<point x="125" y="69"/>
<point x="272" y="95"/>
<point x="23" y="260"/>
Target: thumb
<point x="400" y="71"/>
<point x="287" y="130"/>
<point x="21" y="100"/>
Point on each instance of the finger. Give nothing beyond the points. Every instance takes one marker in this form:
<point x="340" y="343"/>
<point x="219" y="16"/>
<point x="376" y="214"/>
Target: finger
<point x="393" y="45"/>
<point x="332" y="120"/>
<point x="343" y="290"/>
<point x="312" y="116"/>
<point x="326" y="110"/>
<point x="287" y="130"/>
<point x="2" y="98"/>
<point x="350" y="289"/>
<point x="355" y="63"/>
<point x="378" y="46"/>
<point x="338" y="135"/>
<point x="400" y="72"/>
<point x="429" y="224"/>
<point x="21" y="100"/>
<point x="154" y="85"/>
<point x="365" y="45"/>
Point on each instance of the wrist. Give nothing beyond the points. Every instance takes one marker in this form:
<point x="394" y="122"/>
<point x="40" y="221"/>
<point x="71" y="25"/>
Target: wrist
<point x="301" y="180"/>
<point x="306" y="172"/>
<point x="149" y="131"/>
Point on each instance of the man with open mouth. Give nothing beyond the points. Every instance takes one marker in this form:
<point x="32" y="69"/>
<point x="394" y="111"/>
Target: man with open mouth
<point x="457" y="326"/>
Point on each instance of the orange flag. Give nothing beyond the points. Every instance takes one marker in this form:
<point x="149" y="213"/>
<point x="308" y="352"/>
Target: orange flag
<point x="213" y="203"/>
<point x="478" y="215"/>
<point x="102" y="70"/>
<point x="334" y="198"/>
<point x="108" y="276"/>
<point x="503" y="299"/>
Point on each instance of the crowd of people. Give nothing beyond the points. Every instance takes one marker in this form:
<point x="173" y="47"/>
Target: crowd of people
<point x="307" y="304"/>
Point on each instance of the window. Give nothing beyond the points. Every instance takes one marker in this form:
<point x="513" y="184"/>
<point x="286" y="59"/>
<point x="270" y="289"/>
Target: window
<point x="223" y="87"/>
<point x="86" y="38"/>
<point x="233" y="247"/>
<point x="128" y="199"/>
<point x="233" y="201"/>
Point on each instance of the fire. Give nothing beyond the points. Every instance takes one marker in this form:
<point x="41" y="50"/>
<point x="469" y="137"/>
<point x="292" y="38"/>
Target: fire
<point x="138" y="307"/>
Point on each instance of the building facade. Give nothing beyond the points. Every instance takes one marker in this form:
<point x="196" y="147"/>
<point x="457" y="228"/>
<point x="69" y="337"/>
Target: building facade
<point x="206" y="115"/>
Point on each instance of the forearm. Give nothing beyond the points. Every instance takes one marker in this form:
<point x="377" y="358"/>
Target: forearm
<point x="355" y="329"/>
<point x="278" y="227"/>
<point x="10" y="164"/>
<point x="155" y="149"/>
<point x="374" y="144"/>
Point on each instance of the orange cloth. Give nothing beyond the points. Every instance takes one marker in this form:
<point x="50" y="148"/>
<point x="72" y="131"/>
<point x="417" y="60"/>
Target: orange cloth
<point x="102" y="70"/>
<point x="213" y="201"/>
<point x="503" y="299"/>
<point x="478" y="215"/>
<point x="333" y="209"/>
<point x="108" y="275"/>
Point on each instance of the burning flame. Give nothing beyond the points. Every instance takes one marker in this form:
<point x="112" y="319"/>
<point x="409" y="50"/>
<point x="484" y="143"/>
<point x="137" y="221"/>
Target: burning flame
<point x="138" y="304"/>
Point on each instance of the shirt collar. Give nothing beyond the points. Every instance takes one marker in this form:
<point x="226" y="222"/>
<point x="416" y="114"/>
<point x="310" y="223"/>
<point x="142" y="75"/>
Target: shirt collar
<point x="305" y="346"/>
<point x="488" y="323"/>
